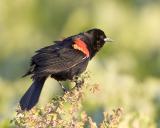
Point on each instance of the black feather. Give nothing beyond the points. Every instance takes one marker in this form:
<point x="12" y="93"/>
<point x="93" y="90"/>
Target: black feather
<point x="30" y="98"/>
<point x="61" y="61"/>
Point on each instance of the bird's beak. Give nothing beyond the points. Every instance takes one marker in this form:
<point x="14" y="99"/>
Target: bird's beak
<point x="107" y="39"/>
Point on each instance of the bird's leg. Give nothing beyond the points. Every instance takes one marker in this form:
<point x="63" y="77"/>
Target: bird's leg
<point x="78" y="82"/>
<point x="63" y="88"/>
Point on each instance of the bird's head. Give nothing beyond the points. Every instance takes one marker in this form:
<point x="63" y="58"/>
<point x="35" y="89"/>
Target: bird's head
<point x="96" y="39"/>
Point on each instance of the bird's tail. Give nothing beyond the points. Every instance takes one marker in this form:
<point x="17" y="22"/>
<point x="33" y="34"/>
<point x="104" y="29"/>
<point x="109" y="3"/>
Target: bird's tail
<point x="30" y="98"/>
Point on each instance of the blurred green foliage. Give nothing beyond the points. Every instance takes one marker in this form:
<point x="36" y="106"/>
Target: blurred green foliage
<point x="127" y="70"/>
<point x="67" y="111"/>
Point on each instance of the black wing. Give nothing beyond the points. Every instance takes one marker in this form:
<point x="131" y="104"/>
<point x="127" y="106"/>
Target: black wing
<point x="55" y="58"/>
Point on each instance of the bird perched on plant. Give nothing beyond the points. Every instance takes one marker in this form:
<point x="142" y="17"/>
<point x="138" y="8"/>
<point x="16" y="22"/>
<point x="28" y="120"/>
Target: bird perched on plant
<point x="62" y="61"/>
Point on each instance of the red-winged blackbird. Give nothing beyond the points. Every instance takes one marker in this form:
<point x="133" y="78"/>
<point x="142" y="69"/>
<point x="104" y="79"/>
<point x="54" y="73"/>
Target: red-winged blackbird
<point x="62" y="61"/>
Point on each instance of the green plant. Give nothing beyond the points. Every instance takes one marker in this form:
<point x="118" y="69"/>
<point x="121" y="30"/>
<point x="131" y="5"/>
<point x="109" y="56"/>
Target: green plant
<point x="66" y="111"/>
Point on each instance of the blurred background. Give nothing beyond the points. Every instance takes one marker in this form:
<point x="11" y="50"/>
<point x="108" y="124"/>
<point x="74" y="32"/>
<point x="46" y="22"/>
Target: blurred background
<point x="127" y="71"/>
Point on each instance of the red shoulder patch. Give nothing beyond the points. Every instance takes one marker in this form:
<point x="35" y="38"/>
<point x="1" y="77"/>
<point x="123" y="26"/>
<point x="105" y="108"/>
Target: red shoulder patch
<point x="80" y="45"/>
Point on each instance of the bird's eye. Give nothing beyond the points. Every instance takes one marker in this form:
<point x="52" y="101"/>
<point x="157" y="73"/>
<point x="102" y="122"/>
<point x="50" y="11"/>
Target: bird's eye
<point x="101" y="37"/>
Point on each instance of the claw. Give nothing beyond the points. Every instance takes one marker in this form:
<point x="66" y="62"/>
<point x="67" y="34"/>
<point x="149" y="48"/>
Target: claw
<point x="79" y="83"/>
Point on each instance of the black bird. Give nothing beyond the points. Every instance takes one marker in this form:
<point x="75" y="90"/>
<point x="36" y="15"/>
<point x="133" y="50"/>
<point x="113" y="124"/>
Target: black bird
<point x="62" y="61"/>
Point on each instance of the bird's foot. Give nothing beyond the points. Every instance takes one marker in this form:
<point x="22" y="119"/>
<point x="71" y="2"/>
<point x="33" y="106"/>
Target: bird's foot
<point x="79" y="83"/>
